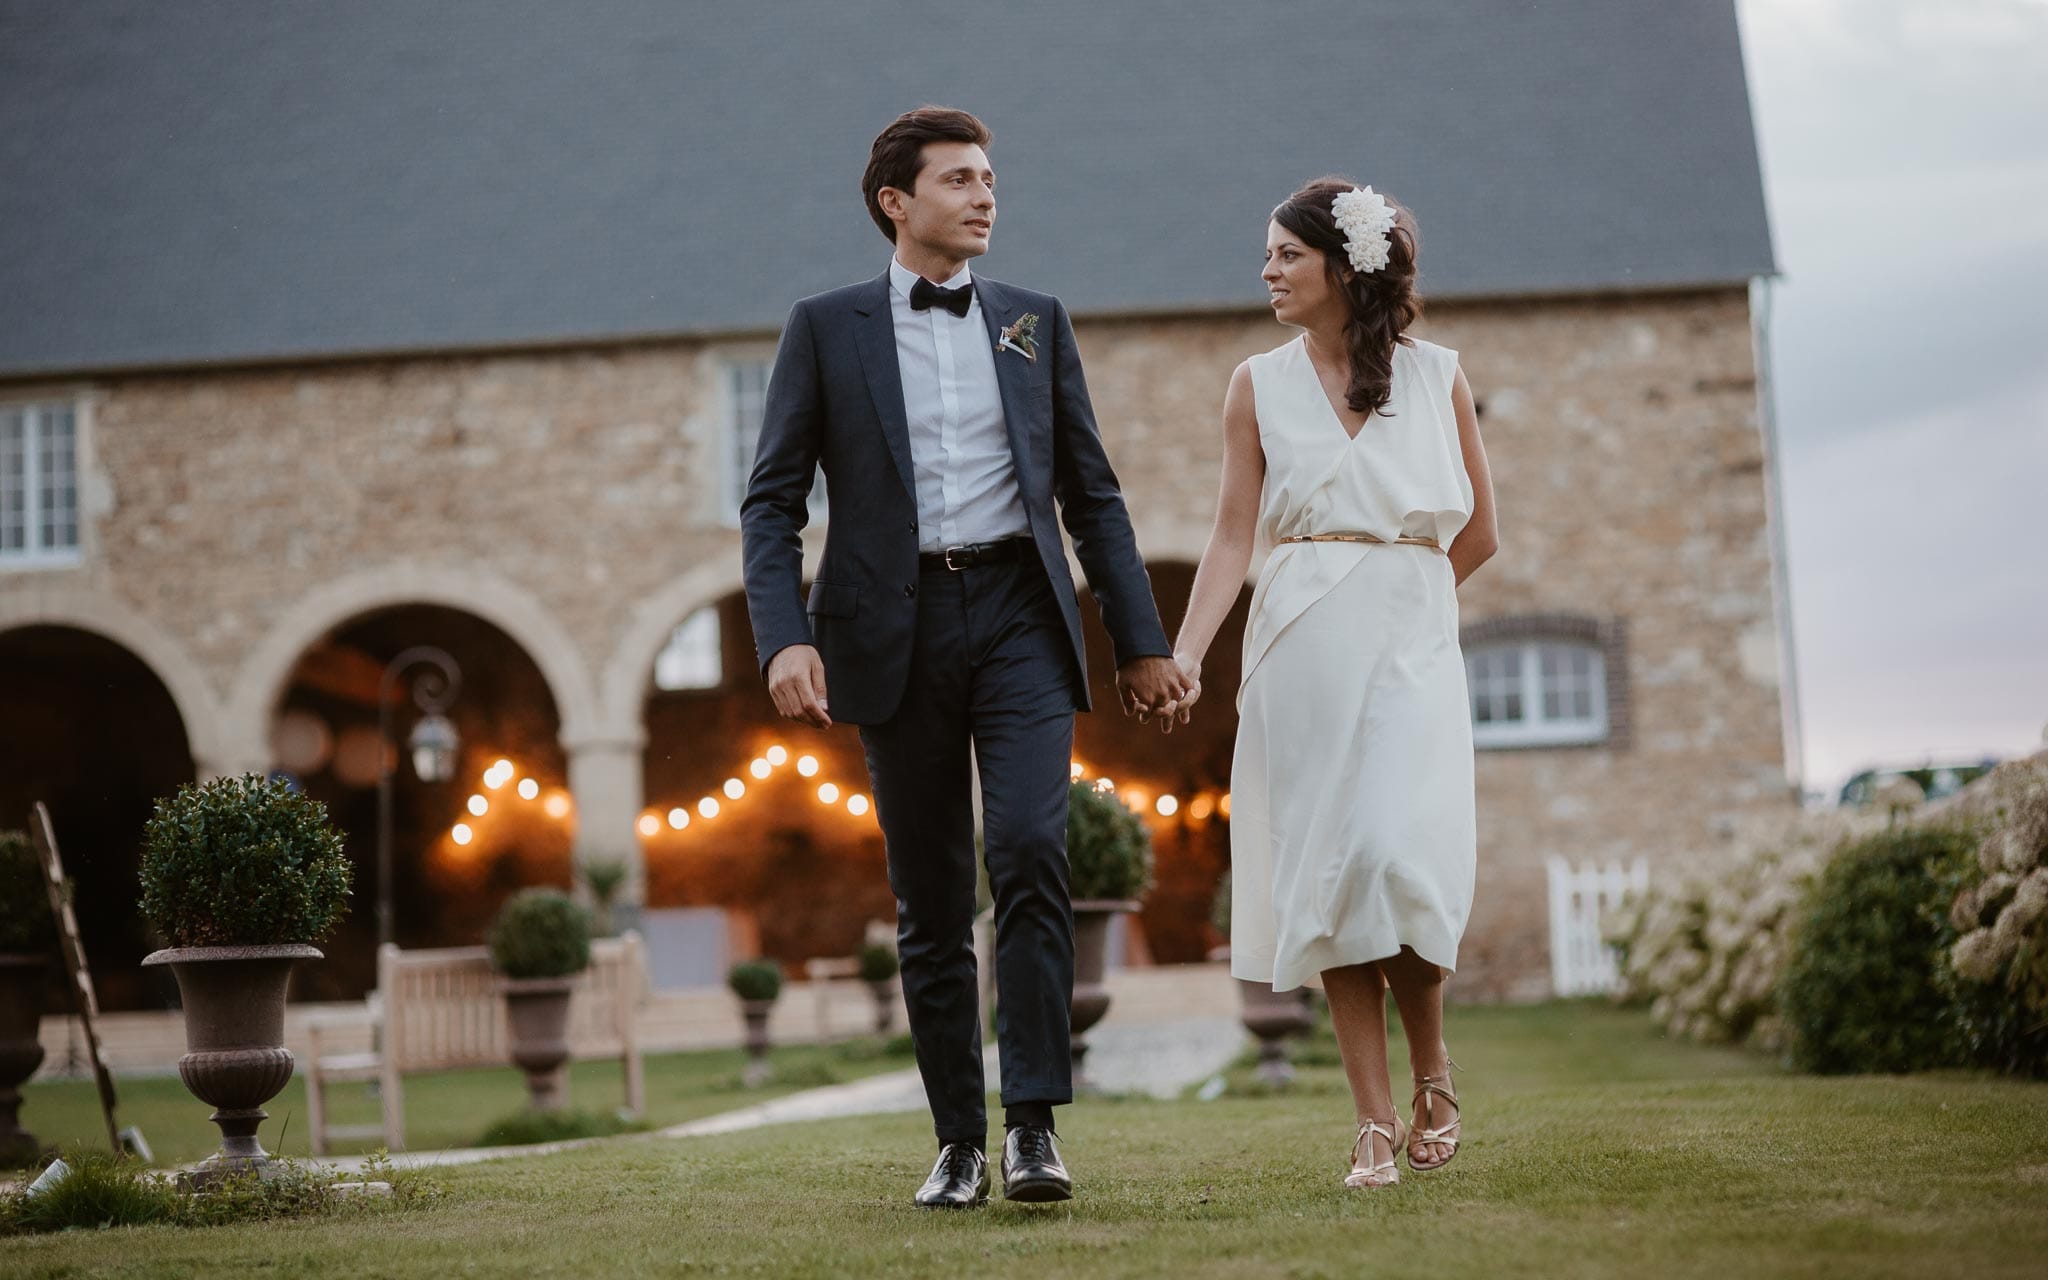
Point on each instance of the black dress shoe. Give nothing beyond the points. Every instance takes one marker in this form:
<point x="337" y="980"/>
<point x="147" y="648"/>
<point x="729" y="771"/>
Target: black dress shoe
<point x="959" y="1180"/>
<point x="1032" y="1171"/>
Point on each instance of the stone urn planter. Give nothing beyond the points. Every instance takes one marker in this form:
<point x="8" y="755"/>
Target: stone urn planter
<point x="1109" y="868"/>
<point x="757" y="984"/>
<point x="1090" y="1002"/>
<point x="1274" y="1017"/>
<point x="539" y="943"/>
<point x="240" y="876"/>
<point x="235" y="1059"/>
<point x="22" y="978"/>
<point x="28" y="942"/>
<point x="537" y="1027"/>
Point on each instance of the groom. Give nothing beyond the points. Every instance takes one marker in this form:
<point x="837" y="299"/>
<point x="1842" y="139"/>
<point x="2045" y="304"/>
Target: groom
<point x="948" y="413"/>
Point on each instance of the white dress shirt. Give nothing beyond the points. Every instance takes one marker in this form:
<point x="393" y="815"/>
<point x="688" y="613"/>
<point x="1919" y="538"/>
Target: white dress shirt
<point x="959" y="445"/>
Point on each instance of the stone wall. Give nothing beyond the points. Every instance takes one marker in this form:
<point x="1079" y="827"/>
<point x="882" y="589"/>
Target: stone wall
<point x="572" y="498"/>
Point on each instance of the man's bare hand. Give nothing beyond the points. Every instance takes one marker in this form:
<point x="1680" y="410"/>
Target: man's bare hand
<point x="796" y="681"/>
<point x="1150" y="687"/>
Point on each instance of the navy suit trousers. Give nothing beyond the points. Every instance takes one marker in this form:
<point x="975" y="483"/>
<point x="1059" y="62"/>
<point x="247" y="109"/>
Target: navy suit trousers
<point x="992" y="668"/>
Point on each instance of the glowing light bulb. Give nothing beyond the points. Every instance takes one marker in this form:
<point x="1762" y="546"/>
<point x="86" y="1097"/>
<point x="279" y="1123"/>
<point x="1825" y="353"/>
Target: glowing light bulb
<point x="778" y="754"/>
<point x="649" y="824"/>
<point x="494" y="779"/>
<point x="857" y="805"/>
<point x="461" y="834"/>
<point x="807" y="766"/>
<point x="1135" y="799"/>
<point x="1104" y="785"/>
<point x="829" y="793"/>
<point x="1201" y="807"/>
<point x="1077" y="771"/>
<point x="708" y="807"/>
<point x="556" y="805"/>
<point x="678" y="818"/>
<point x="759" y="768"/>
<point x="1223" y="805"/>
<point x="528" y="788"/>
<point x="479" y="806"/>
<point x="734" y="788"/>
<point x="1168" y="806"/>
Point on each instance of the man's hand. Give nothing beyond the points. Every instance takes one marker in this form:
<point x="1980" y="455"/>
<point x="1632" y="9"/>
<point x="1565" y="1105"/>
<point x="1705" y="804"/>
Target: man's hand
<point x="1191" y="673"/>
<point x="1150" y="687"/>
<point x="796" y="680"/>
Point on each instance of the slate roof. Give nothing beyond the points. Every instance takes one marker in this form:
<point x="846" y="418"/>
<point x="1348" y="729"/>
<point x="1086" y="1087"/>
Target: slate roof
<point x="220" y="182"/>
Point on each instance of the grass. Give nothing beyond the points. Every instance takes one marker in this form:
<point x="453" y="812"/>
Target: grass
<point x="1595" y="1147"/>
<point x="448" y="1108"/>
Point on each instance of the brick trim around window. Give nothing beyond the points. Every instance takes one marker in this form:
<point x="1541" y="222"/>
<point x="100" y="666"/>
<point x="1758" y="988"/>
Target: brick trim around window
<point x="1610" y="637"/>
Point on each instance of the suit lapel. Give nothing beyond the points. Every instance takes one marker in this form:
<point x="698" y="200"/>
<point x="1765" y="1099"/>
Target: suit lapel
<point x="1012" y="370"/>
<point x="875" y="335"/>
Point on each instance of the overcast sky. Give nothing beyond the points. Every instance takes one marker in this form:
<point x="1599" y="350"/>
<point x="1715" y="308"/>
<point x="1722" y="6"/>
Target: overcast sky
<point x="1905" y="154"/>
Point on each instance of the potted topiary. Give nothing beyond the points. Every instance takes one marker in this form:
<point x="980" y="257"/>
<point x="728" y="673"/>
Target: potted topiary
<point x="539" y="943"/>
<point x="756" y="983"/>
<point x="1273" y="1016"/>
<point x="28" y="938"/>
<point x="604" y="877"/>
<point x="878" y="968"/>
<point x="240" y="877"/>
<point x="1109" y="868"/>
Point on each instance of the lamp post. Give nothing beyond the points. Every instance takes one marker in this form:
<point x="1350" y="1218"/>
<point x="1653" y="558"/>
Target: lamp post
<point x="431" y="746"/>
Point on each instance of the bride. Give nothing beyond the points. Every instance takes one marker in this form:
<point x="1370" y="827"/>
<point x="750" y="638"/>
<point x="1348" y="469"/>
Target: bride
<point x="1352" y="456"/>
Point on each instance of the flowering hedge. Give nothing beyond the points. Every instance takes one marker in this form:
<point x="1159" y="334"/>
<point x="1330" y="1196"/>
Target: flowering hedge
<point x="1710" y="951"/>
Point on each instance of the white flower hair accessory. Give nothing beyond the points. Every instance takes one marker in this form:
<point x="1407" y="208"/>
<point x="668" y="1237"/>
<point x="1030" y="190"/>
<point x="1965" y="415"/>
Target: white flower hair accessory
<point x="1365" y="218"/>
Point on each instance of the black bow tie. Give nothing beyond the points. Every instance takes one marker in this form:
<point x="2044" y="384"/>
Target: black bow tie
<point x="924" y="295"/>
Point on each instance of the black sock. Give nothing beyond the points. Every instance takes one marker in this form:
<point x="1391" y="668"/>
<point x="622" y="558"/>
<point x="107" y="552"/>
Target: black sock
<point x="1032" y="1113"/>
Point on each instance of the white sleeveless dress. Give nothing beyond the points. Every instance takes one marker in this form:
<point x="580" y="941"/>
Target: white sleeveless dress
<point x="1351" y="827"/>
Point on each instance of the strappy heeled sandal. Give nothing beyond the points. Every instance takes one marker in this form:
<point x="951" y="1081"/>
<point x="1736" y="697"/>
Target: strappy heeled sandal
<point x="1427" y="1090"/>
<point x="1378" y="1173"/>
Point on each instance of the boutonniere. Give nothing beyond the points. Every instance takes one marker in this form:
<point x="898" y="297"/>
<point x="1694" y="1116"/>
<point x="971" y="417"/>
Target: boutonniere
<point x="1022" y="337"/>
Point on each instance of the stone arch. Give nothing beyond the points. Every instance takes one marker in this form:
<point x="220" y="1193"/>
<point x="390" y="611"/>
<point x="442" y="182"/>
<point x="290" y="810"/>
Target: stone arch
<point x="489" y="596"/>
<point x="45" y="604"/>
<point x="624" y="687"/>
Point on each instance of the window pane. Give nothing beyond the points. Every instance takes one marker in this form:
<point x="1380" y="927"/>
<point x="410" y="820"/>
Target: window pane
<point x="13" y="480"/>
<point x="692" y="659"/>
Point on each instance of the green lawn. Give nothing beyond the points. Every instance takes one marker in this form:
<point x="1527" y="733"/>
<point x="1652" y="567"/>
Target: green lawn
<point x="450" y="1108"/>
<point x="1594" y="1147"/>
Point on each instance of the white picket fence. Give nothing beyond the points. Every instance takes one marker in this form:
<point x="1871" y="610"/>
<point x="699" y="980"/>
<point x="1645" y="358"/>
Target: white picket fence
<point x="1580" y="962"/>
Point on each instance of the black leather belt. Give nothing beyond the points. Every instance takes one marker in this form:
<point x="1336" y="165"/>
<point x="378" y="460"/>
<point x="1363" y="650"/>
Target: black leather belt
<point x="974" y="554"/>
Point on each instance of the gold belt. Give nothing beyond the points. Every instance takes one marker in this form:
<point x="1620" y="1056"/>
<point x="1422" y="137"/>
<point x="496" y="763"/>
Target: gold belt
<point x="1404" y="540"/>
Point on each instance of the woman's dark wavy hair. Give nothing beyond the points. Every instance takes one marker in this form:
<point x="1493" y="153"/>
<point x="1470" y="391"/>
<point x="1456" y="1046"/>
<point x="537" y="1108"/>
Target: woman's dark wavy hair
<point x="1383" y="303"/>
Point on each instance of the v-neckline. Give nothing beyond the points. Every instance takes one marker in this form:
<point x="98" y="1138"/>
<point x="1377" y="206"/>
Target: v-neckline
<point x="1323" y="394"/>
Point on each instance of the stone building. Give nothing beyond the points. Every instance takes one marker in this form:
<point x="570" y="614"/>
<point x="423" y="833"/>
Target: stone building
<point x="325" y="337"/>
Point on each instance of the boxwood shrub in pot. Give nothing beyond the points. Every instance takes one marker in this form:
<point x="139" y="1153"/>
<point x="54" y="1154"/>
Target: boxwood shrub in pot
<point x="28" y="942"/>
<point x="878" y="968"/>
<point x="539" y="943"/>
<point x="757" y="983"/>
<point x="240" y="877"/>
<point x="1109" y="869"/>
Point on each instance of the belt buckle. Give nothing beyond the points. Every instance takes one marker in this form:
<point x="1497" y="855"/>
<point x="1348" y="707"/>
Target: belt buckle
<point x="965" y="550"/>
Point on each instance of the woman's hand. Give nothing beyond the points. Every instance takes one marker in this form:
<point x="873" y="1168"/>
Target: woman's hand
<point x="1190" y="671"/>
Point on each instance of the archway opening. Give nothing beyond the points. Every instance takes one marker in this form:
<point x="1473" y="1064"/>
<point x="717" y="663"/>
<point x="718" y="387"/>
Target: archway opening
<point x="93" y="734"/>
<point x="765" y="826"/>
<point x="1179" y="782"/>
<point x="459" y="846"/>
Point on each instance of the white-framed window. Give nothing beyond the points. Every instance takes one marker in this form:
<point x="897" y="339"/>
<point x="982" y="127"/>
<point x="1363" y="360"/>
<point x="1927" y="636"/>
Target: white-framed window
<point x="38" y="484"/>
<point x="746" y="398"/>
<point x="1537" y="693"/>
<point x="692" y="658"/>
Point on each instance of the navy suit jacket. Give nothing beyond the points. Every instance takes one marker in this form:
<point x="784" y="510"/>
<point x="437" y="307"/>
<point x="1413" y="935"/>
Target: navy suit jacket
<point x="835" y="400"/>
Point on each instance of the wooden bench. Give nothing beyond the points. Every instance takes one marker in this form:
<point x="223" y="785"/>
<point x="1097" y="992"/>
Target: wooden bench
<point x="439" y="1010"/>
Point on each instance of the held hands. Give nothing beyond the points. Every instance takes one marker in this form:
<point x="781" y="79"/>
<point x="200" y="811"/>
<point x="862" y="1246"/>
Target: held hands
<point x="1156" y="686"/>
<point x="796" y="681"/>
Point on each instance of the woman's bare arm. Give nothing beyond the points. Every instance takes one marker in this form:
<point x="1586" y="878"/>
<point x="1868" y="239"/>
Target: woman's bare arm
<point x="1480" y="538"/>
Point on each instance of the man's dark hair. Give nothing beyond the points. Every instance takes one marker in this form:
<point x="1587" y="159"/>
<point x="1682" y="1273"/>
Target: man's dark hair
<point x="898" y="154"/>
